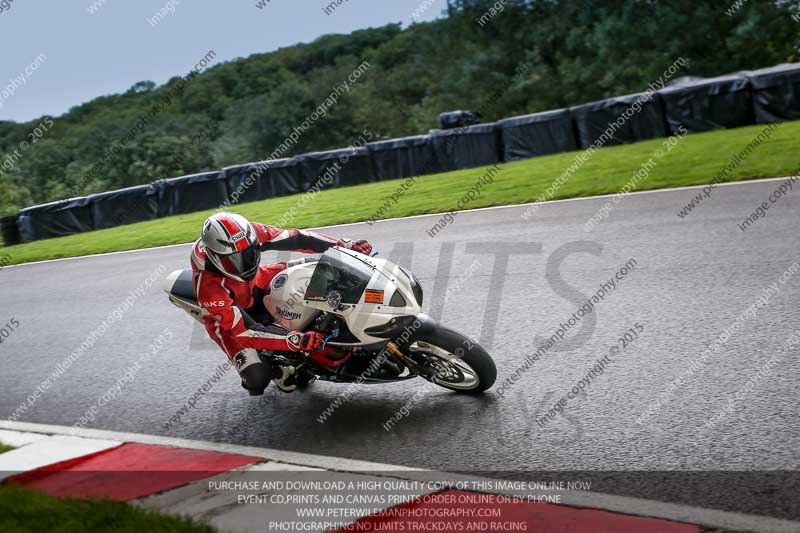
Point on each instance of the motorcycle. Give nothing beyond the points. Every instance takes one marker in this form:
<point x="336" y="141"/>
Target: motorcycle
<point x="370" y="311"/>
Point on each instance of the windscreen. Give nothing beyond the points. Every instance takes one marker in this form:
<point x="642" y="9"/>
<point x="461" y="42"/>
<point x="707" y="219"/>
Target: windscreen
<point x="337" y="271"/>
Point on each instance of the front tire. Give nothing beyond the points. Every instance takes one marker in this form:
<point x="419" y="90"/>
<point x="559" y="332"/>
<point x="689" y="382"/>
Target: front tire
<point x="459" y="364"/>
<point x="304" y="379"/>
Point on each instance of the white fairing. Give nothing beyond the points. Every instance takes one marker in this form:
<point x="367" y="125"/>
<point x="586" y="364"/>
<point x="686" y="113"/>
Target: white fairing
<point x="185" y="302"/>
<point x="285" y="299"/>
<point x="386" y="277"/>
<point x="170" y="280"/>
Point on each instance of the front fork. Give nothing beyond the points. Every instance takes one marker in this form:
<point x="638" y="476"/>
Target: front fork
<point x="423" y="325"/>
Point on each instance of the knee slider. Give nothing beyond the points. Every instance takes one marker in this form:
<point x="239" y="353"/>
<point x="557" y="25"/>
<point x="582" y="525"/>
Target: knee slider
<point x="255" y="373"/>
<point x="256" y="378"/>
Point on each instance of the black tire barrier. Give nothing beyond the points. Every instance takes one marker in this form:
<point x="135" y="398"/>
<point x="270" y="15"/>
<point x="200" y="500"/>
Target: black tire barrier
<point x="776" y="93"/>
<point x="466" y="147"/>
<point x="697" y="104"/>
<point x="404" y="157"/>
<point x="539" y="134"/>
<point x="55" y="219"/>
<point x="9" y="230"/>
<point x="125" y="206"/>
<point x="336" y="168"/>
<point x="620" y="120"/>
<point x="196" y="192"/>
<point x="707" y="104"/>
<point x="458" y="119"/>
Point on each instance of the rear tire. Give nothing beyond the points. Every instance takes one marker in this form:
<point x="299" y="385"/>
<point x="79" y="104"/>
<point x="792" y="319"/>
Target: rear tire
<point x="450" y="351"/>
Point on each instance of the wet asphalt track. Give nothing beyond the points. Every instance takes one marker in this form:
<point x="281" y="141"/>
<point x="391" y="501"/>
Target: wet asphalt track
<point x="693" y="278"/>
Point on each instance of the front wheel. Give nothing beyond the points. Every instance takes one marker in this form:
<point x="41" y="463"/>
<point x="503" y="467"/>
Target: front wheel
<point x="454" y="361"/>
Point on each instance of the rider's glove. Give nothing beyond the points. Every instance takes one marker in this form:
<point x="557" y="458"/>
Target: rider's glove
<point x="361" y="246"/>
<point x="305" y="342"/>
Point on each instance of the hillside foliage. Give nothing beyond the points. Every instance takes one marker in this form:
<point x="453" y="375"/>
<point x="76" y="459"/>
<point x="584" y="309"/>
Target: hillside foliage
<point x="531" y="56"/>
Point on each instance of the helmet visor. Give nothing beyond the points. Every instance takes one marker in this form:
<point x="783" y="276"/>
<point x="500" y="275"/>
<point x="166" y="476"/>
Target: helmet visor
<point x="243" y="264"/>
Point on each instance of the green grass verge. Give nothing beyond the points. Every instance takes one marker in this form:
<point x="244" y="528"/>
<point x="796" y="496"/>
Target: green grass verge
<point x="23" y="510"/>
<point x="696" y="160"/>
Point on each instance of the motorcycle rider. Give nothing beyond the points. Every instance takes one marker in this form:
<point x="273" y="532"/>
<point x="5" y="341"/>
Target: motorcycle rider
<point x="230" y="286"/>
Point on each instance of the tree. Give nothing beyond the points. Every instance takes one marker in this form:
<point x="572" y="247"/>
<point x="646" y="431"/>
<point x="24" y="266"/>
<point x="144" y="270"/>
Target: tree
<point x="530" y="56"/>
<point x="142" y="87"/>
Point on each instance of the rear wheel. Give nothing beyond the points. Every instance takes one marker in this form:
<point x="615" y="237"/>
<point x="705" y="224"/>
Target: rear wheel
<point x="455" y="362"/>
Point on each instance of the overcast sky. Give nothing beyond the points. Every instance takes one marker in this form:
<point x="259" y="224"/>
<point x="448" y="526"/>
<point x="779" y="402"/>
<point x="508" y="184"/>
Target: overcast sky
<point x="92" y="54"/>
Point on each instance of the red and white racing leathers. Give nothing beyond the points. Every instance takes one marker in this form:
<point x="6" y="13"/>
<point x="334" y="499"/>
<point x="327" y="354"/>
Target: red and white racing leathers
<point x="226" y="303"/>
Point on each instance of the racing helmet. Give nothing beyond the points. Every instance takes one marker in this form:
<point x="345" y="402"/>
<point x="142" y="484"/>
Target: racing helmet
<point x="232" y="246"/>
